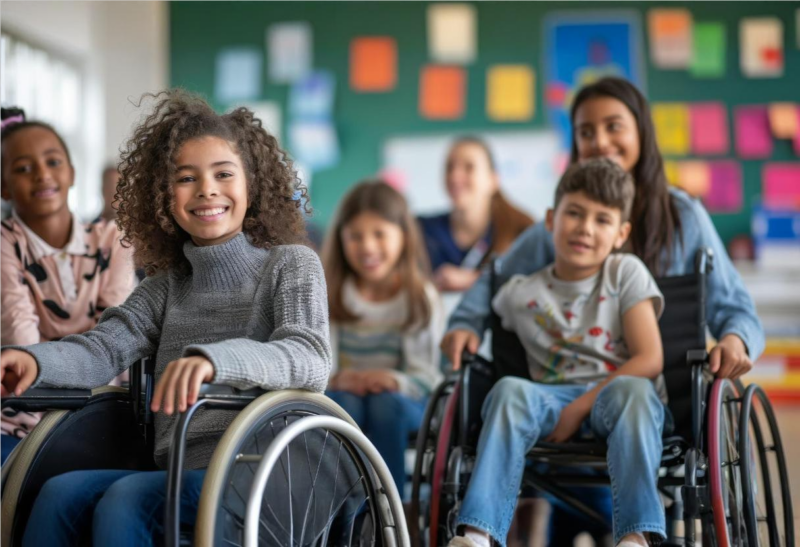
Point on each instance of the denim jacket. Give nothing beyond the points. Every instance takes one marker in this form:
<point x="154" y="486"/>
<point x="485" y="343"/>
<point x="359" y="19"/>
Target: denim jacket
<point x="730" y="308"/>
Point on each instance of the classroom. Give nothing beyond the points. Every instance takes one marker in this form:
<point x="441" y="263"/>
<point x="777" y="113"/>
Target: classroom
<point x="454" y="273"/>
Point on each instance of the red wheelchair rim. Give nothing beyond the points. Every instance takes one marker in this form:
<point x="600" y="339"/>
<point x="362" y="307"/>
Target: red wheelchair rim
<point x="440" y="460"/>
<point x="715" y="462"/>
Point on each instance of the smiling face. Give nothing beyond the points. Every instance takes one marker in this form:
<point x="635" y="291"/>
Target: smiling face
<point x="469" y="176"/>
<point x="37" y="174"/>
<point x="606" y="128"/>
<point x="372" y="247"/>
<point x="210" y="190"/>
<point x="584" y="234"/>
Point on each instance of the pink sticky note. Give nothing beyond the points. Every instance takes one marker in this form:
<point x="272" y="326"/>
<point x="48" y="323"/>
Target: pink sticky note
<point x="709" y="122"/>
<point x="781" y="185"/>
<point x="725" y="194"/>
<point x="753" y="138"/>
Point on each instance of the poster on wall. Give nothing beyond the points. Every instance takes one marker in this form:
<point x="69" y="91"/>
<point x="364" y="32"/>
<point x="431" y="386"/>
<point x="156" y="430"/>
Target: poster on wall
<point x="582" y="47"/>
<point x="526" y="163"/>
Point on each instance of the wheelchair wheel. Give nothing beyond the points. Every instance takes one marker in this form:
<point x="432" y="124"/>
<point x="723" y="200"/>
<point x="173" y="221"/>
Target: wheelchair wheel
<point x="323" y="493"/>
<point x="444" y="503"/>
<point x="725" y="467"/>
<point x="764" y="475"/>
<point x="426" y="450"/>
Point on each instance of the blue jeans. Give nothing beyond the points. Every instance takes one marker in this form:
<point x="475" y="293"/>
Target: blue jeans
<point x="627" y="414"/>
<point x="387" y="419"/>
<point x="113" y="508"/>
<point x="7" y="444"/>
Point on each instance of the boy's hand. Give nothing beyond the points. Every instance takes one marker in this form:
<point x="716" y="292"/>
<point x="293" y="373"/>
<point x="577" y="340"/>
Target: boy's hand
<point x="378" y="381"/>
<point x="18" y="370"/>
<point x="456" y="341"/>
<point x="729" y="358"/>
<point x="569" y="422"/>
<point x="180" y="384"/>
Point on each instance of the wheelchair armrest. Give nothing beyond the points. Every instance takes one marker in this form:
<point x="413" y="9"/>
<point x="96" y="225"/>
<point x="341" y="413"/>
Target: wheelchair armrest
<point x="696" y="357"/>
<point x="228" y="393"/>
<point x="39" y="399"/>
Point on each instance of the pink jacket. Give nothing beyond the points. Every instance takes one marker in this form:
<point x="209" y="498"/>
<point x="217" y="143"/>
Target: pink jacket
<point x="34" y="305"/>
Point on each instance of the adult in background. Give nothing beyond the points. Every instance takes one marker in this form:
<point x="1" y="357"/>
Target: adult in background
<point x="481" y="223"/>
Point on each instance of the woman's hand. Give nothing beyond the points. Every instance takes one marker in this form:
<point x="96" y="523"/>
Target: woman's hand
<point x="18" y="370"/>
<point x="351" y="381"/>
<point x="455" y="342"/>
<point x="729" y="358"/>
<point x="379" y="381"/>
<point x="449" y="278"/>
<point x="569" y="422"/>
<point x="179" y="386"/>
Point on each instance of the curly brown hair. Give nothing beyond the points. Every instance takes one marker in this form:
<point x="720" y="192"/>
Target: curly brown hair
<point x="144" y="196"/>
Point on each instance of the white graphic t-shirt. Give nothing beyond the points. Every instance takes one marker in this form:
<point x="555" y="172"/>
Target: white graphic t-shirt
<point x="572" y="330"/>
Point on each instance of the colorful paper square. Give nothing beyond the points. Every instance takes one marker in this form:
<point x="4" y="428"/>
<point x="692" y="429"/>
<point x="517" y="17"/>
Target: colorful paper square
<point x="784" y="120"/>
<point x="670" y="32"/>
<point x="709" y="128"/>
<point x="694" y="177"/>
<point x="290" y="49"/>
<point x="373" y="64"/>
<point x="753" y="137"/>
<point x="442" y="92"/>
<point x="761" y="47"/>
<point x="725" y="193"/>
<point x="511" y="93"/>
<point x="781" y="185"/>
<point x="708" y="55"/>
<point x="452" y="33"/>
<point x="672" y="128"/>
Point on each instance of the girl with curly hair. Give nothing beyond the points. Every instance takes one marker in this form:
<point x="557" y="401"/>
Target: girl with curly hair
<point x="58" y="273"/>
<point x="211" y="206"/>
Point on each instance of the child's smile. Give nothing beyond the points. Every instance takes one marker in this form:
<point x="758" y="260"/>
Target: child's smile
<point x="210" y="190"/>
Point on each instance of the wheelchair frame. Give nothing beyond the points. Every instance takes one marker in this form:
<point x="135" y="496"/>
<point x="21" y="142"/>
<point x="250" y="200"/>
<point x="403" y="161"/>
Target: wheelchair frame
<point x="444" y="451"/>
<point x="389" y="509"/>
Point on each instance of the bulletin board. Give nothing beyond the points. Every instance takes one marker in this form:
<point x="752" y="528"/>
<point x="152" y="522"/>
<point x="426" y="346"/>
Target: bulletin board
<point x="507" y="33"/>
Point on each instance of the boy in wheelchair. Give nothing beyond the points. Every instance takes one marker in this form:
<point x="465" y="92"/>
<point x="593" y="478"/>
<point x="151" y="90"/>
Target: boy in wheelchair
<point x="589" y="326"/>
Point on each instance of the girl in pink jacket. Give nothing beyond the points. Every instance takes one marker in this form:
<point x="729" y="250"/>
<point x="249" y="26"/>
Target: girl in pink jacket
<point x="58" y="274"/>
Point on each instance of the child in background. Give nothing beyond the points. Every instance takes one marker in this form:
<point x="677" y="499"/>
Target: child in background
<point x="58" y="274"/>
<point x="386" y="319"/>
<point x="209" y="204"/>
<point x="589" y="326"/>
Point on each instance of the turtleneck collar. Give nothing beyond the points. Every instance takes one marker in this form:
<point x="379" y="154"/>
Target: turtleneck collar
<point x="224" y="266"/>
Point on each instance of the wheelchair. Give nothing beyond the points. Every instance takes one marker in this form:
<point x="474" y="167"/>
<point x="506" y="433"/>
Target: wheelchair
<point x="291" y="469"/>
<point x="723" y="475"/>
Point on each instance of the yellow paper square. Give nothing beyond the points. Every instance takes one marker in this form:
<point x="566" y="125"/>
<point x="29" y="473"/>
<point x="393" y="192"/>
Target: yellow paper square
<point x="672" y="128"/>
<point x="671" y="172"/>
<point x="784" y="119"/>
<point x="511" y="92"/>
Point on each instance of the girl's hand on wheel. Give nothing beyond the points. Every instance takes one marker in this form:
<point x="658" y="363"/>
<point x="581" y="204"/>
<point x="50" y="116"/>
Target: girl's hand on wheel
<point x="179" y="386"/>
<point x="18" y="370"/>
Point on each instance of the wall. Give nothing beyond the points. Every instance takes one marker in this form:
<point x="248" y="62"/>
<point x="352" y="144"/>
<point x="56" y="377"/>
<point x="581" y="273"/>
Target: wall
<point x="122" y="50"/>
<point x="508" y="32"/>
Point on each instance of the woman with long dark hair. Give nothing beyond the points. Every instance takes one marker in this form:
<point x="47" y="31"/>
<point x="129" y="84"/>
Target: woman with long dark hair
<point x="611" y="118"/>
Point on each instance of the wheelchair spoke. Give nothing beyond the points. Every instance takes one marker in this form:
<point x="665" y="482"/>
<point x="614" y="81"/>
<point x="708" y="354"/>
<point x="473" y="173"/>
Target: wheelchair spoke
<point x="289" y="469"/>
<point x="277" y="520"/>
<point x="336" y="478"/>
<point x="313" y="482"/>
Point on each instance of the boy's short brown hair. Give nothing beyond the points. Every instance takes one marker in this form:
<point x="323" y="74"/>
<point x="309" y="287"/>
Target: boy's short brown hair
<point x="602" y="180"/>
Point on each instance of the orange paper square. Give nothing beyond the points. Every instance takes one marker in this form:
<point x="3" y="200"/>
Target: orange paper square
<point x="784" y="119"/>
<point x="442" y="90"/>
<point x="373" y="64"/>
<point x="694" y="177"/>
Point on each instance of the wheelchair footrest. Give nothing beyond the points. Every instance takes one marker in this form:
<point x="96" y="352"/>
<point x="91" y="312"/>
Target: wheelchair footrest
<point x="696" y="500"/>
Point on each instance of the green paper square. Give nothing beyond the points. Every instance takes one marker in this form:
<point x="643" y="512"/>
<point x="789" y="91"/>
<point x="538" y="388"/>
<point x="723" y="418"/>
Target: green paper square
<point x="708" y="60"/>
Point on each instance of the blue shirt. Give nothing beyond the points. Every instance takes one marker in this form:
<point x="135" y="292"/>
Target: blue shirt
<point x="730" y="308"/>
<point x="443" y="249"/>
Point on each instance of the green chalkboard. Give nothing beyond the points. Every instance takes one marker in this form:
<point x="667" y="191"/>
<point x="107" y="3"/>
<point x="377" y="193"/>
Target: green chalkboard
<point x="508" y="32"/>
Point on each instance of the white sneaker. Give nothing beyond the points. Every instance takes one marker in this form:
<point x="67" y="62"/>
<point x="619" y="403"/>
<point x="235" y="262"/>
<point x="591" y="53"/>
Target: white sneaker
<point x="461" y="541"/>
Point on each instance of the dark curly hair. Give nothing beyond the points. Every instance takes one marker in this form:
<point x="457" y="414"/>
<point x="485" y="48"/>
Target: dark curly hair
<point x="144" y="195"/>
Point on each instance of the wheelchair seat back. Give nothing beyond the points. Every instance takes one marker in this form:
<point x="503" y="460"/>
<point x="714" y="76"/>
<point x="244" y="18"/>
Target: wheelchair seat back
<point x="682" y="325"/>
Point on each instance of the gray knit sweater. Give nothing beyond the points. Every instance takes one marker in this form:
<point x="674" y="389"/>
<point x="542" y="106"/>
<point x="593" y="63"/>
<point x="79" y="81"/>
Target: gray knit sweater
<point x="260" y="316"/>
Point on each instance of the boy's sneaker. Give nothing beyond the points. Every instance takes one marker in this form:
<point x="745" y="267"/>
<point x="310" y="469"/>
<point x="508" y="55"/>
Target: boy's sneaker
<point x="461" y="541"/>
